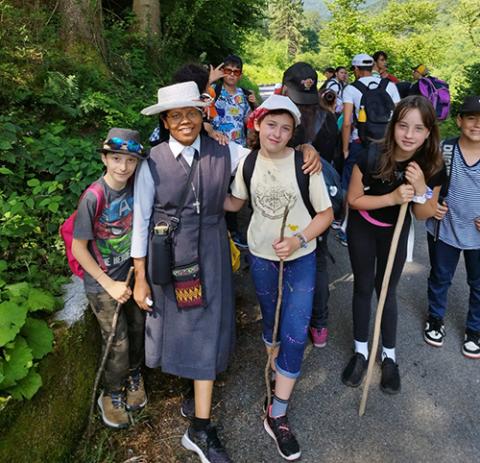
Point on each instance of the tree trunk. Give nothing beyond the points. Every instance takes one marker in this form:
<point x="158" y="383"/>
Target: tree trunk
<point x="148" y="16"/>
<point x="82" y="23"/>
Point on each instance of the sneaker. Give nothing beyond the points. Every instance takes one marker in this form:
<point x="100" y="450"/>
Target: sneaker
<point x="434" y="331"/>
<point x="187" y="409"/>
<point x="136" y="395"/>
<point x="279" y="430"/>
<point x="319" y="336"/>
<point x="471" y="344"/>
<point x="206" y="445"/>
<point x="114" y="413"/>
<point x="336" y="225"/>
<point x="239" y="240"/>
<point x="390" y="382"/>
<point x="355" y="370"/>
<point x="341" y="237"/>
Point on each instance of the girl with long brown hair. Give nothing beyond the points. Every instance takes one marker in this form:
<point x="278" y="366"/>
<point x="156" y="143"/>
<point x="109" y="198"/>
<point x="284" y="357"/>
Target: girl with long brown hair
<point x="405" y="167"/>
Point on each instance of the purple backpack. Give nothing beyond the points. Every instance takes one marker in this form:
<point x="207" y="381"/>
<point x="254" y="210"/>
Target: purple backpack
<point x="436" y="91"/>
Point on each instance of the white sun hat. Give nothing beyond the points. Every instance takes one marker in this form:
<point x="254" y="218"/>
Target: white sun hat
<point x="282" y="102"/>
<point x="183" y="95"/>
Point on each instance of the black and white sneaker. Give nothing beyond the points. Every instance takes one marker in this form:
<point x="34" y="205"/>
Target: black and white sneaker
<point x="279" y="430"/>
<point x="206" y="445"/>
<point x="471" y="344"/>
<point x="434" y="331"/>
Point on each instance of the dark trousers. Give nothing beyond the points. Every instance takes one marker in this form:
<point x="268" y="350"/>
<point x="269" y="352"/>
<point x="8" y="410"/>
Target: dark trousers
<point x="322" y="293"/>
<point x="127" y="351"/>
<point x="443" y="260"/>
<point x="368" y="246"/>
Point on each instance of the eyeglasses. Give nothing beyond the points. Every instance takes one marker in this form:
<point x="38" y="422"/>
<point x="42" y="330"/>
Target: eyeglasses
<point x="118" y="143"/>
<point x="177" y="117"/>
<point x="235" y="72"/>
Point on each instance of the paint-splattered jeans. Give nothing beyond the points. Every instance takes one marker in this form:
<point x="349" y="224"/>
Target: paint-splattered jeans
<point x="127" y="351"/>
<point x="298" y="291"/>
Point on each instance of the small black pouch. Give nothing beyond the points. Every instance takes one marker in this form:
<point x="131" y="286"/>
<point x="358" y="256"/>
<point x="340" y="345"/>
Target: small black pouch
<point x="162" y="255"/>
<point x="188" y="286"/>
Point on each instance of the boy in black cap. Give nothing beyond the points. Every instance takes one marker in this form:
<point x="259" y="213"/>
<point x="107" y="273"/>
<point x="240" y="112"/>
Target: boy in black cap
<point x="456" y="228"/>
<point x="101" y="245"/>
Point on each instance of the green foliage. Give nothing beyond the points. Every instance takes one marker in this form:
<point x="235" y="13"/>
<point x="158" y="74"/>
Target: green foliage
<point x="285" y="23"/>
<point x="24" y="339"/>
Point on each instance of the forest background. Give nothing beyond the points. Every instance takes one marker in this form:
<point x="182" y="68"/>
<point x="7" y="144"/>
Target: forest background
<point x="71" y="69"/>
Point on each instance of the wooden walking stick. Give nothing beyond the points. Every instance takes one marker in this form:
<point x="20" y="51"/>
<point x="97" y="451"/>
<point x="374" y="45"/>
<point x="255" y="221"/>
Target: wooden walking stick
<point x="381" y="302"/>
<point x="277" y="317"/>
<point x="108" y="346"/>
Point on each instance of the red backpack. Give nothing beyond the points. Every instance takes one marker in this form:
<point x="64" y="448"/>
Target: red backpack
<point x="67" y="227"/>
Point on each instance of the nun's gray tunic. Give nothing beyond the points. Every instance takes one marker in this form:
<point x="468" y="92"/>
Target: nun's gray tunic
<point x="193" y="343"/>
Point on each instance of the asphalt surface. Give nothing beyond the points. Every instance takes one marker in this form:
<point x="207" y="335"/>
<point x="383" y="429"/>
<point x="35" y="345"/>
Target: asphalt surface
<point x="434" y="419"/>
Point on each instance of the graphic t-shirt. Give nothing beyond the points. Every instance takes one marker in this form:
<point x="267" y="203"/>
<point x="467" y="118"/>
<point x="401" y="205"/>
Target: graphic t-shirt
<point x="232" y="111"/>
<point x="113" y="231"/>
<point x="378" y="187"/>
<point x="273" y="186"/>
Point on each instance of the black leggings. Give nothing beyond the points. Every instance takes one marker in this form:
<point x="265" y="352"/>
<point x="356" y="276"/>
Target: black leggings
<point x="368" y="246"/>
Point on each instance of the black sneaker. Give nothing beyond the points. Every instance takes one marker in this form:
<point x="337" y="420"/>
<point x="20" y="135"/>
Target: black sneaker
<point x="390" y="382"/>
<point x="187" y="409"/>
<point x="206" y="445"/>
<point x="355" y="370"/>
<point x="279" y="430"/>
<point x="471" y="344"/>
<point x="434" y="331"/>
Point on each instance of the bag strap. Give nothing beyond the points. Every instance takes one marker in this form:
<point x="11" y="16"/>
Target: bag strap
<point x="448" y="150"/>
<point x="361" y="87"/>
<point x="303" y="181"/>
<point x="99" y="192"/>
<point x="218" y="90"/>
<point x="175" y="220"/>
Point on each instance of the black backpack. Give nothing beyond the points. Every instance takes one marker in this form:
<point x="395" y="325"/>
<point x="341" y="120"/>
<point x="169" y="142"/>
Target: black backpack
<point x="330" y="175"/>
<point x="378" y="106"/>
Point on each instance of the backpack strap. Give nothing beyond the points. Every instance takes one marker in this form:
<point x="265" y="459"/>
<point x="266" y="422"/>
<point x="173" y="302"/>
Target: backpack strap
<point x="360" y="86"/>
<point x="97" y="189"/>
<point x="448" y="149"/>
<point x="372" y="157"/>
<point x="218" y="90"/>
<point x="303" y="180"/>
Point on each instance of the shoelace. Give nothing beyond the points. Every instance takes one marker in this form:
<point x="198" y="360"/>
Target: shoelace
<point x="134" y="383"/>
<point x="283" y="427"/>
<point x="117" y="400"/>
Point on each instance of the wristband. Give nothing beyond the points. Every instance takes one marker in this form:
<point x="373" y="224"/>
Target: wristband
<point x="302" y="239"/>
<point x="422" y="199"/>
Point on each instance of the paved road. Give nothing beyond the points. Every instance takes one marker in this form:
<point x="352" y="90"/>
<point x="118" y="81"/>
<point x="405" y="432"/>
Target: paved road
<point x="434" y="419"/>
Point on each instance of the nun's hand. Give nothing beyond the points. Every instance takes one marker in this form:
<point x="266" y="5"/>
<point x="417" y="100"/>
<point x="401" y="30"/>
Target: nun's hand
<point x="142" y="294"/>
<point x="311" y="159"/>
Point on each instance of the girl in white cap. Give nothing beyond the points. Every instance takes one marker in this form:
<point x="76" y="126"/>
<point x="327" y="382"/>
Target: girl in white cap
<point x="271" y="178"/>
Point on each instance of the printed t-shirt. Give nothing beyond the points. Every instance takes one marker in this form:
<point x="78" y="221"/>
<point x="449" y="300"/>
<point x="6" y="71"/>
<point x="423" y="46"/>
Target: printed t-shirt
<point x="378" y="187"/>
<point x="232" y="111"/>
<point x="273" y="186"/>
<point x="113" y="233"/>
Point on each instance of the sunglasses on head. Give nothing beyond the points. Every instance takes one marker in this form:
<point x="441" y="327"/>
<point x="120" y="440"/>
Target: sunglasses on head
<point x="117" y="143"/>
<point x="235" y="72"/>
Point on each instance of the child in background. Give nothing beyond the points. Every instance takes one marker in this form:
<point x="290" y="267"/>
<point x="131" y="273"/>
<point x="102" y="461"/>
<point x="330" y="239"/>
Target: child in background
<point x="109" y="238"/>
<point x="272" y="188"/>
<point x="405" y="167"/>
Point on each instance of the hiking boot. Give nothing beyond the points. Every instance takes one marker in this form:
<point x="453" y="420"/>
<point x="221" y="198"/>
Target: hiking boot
<point x="319" y="336"/>
<point x="434" y="331"/>
<point x="206" y="445"/>
<point x="390" y="381"/>
<point x="114" y="413"/>
<point x="136" y="396"/>
<point x="471" y="344"/>
<point x="279" y="430"/>
<point x="341" y="237"/>
<point x="187" y="409"/>
<point x="355" y="370"/>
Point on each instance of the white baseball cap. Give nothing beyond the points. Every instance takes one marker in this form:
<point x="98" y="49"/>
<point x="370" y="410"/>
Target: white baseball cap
<point x="282" y="102"/>
<point x="362" y="59"/>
